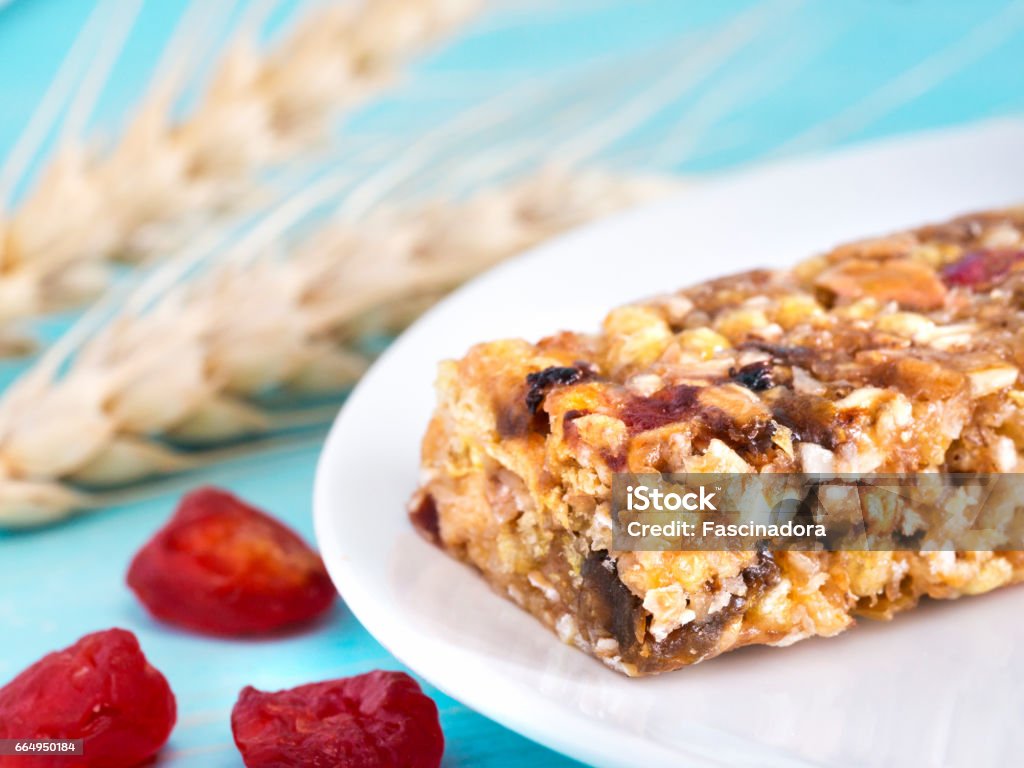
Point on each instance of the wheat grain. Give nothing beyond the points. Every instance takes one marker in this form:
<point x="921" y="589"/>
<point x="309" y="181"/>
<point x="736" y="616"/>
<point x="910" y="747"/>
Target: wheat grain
<point x="163" y="178"/>
<point x="191" y="369"/>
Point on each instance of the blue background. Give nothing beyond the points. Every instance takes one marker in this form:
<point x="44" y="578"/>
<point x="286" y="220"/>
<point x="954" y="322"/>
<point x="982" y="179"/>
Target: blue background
<point x="826" y="73"/>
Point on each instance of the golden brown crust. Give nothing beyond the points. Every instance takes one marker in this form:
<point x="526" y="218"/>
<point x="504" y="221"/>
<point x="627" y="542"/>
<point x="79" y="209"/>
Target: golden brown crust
<point x="898" y="354"/>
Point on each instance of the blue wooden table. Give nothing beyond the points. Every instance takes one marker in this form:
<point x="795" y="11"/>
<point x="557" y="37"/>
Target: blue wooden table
<point x="825" y="74"/>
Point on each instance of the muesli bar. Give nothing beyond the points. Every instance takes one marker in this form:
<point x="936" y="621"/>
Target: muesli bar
<point x="899" y="354"/>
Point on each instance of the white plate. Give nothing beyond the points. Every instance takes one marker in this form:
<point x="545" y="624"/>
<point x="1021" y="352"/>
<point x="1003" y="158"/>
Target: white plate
<point x="939" y="686"/>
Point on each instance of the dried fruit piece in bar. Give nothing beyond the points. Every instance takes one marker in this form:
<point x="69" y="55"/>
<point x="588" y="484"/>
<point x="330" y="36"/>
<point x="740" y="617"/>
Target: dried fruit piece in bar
<point x="223" y="567"/>
<point x="377" y="720"/>
<point x="101" y="690"/>
<point x="900" y="354"/>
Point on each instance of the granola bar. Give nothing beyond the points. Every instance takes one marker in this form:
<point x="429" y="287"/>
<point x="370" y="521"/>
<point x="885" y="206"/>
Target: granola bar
<point x="900" y="354"/>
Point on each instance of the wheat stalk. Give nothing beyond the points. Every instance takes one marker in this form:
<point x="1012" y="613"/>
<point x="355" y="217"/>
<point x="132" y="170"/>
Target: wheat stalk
<point x="185" y="362"/>
<point x="163" y="178"/>
<point x="190" y="370"/>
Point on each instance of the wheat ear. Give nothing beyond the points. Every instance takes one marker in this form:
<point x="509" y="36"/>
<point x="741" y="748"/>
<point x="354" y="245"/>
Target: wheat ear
<point x="163" y="178"/>
<point x="189" y="371"/>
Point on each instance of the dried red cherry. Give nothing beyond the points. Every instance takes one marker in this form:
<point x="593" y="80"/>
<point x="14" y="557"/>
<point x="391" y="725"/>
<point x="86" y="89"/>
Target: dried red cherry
<point x="376" y="720"/>
<point x="221" y="566"/>
<point x="101" y="690"/>
<point x="981" y="269"/>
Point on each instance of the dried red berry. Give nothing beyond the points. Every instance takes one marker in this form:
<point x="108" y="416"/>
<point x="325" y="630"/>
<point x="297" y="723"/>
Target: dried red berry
<point x="982" y="269"/>
<point x="376" y="720"/>
<point x="223" y="567"/>
<point x="101" y="690"/>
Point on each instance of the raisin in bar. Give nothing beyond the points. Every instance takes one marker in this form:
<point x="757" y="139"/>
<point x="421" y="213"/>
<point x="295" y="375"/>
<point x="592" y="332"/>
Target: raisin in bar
<point x="900" y="354"/>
